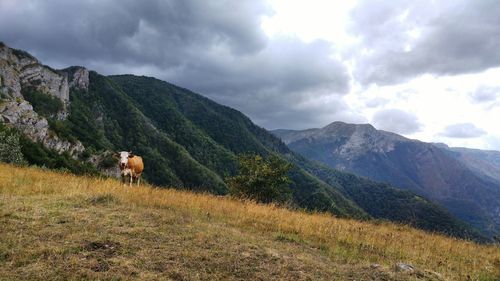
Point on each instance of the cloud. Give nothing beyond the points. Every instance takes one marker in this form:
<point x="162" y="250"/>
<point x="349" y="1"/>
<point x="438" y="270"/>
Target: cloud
<point x="134" y="32"/>
<point x="219" y="49"/>
<point x="395" y="120"/>
<point x="484" y="94"/>
<point x="216" y="48"/>
<point x="404" y="39"/>
<point x="309" y="114"/>
<point x="462" y="130"/>
<point x="376" y="102"/>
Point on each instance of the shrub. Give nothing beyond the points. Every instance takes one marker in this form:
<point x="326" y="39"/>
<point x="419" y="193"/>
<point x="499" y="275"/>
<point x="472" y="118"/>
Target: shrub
<point x="261" y="179"/>
<point x="10" y="149"/>
<point x="62" y="129"/>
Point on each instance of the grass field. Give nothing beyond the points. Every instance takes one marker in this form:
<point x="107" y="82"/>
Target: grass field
<point x="57" y="226"/>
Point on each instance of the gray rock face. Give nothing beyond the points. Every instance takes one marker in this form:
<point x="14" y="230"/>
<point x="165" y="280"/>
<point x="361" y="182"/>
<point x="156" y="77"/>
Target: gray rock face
<point x="10" y="84"/>
<point x="45" y="80"/>
<point x="22" y="116"/>
<point x="80" y="79"/>
<point x="404" y="267"/>
<point x="18" y="70"/>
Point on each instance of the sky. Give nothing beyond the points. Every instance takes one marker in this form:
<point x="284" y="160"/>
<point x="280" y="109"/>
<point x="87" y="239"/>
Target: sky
<point x="428" y="70"/>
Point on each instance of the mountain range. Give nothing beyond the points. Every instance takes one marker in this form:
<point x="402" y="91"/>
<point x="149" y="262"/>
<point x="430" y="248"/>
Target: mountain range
<point x="465" y="181"/>
<point x="74" y="119"/>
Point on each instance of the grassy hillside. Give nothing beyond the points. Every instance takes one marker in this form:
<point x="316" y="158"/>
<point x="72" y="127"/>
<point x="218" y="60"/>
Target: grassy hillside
<point x="59" y="226"/>
<point x="191" y="142"/>
<point x="187" y="140"/>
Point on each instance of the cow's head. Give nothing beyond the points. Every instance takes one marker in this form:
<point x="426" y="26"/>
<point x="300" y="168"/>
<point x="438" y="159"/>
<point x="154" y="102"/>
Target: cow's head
<point x="123" y="157"/>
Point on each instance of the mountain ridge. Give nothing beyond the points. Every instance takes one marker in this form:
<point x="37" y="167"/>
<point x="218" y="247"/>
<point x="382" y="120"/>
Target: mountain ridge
<point x="424" y="168"/>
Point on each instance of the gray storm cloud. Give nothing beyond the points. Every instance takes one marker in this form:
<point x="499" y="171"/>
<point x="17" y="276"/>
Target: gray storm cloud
<point x="216" y="48"/>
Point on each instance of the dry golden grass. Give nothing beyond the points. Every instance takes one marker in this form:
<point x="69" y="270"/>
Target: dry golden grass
<point x="59" y="226"/>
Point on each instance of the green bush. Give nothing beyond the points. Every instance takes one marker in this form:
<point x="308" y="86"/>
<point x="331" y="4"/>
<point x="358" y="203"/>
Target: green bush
<point x="10" y="148"/>
<point x="261" y="179"/>
<point x="62" y="129"/>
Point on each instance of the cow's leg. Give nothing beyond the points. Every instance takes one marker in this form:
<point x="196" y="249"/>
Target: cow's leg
<point x="138" y="180"/>
<point x="131" y="180"/>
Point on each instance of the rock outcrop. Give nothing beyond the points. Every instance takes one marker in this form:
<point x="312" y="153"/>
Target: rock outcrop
<point x="79" y="77"/>
<point x="46" y="81"/>
<point x="20" y="114"/>
<point x="19" y="70"/>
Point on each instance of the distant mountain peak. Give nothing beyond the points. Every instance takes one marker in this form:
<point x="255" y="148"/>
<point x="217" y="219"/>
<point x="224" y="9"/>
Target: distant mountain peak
<point x="461" y="179"/>
<point x="351" y="139"/>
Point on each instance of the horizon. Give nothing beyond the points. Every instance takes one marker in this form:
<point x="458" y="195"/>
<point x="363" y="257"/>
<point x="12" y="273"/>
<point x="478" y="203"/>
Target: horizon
<point x="424" y="70"/>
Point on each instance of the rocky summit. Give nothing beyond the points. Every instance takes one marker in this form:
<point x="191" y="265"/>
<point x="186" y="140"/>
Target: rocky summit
<point x="451" y="177"/>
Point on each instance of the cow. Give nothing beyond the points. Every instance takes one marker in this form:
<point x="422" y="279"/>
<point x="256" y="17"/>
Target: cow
<point x="130" y="165"/>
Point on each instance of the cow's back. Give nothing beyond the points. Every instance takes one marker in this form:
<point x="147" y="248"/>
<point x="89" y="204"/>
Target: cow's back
<point x="136" y="165"/>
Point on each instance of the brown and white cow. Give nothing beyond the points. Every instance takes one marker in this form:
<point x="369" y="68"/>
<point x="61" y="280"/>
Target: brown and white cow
<point x="130" y="165"/>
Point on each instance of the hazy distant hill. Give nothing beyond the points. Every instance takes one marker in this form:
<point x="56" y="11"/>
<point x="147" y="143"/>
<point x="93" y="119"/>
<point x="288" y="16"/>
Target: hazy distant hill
<point x="75" y="118"/>
<point x="457" y="178"/>
<point x="483" y="162"/>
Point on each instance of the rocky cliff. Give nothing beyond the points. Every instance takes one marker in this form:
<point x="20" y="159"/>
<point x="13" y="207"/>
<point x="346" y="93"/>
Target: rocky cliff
<point x="20" y="71"/>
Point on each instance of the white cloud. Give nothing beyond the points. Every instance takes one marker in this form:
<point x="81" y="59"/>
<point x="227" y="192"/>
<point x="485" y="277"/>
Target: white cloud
<point x="483" y="94"/>
<point x="311" y="20"/>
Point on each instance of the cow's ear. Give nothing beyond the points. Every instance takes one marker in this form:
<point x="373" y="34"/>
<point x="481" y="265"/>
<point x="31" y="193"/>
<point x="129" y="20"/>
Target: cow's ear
<point x="116" y="155"/>
<point x="130" y="155"/>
